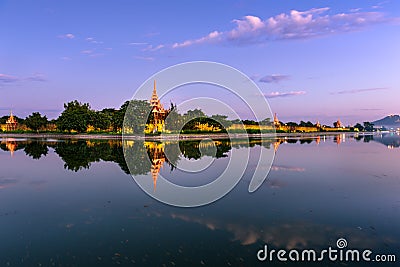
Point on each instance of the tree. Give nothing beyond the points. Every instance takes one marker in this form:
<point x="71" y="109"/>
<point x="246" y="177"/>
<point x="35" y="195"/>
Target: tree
<point x="174" y="120"/>
<point x="137" y="114"/>
<point x="76" y="116"/>
<point x="100" y="120"/>
<point x="335" y="124"/>
<point x="266" y="121"/>
<point x="359" y="127"/>
<point x="36" y="149"/>
<point x="118" y="117"/>
<point x="220" y="120"/>
<point x="111" y="113"/>
<point x="306" y="124"/>
<point x="292" y="124"/>
<point x="368" y="126"/>
<point x="35" y="121"/>
<point x="194" y="114"/>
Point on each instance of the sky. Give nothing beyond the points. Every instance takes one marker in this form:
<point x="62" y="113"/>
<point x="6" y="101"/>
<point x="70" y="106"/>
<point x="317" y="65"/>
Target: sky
<point x="312" y="60"/>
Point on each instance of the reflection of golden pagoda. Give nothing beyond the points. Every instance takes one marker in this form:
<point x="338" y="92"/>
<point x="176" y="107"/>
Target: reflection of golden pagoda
<point x="276" y="144"/>
<point x="318" y="140"/>
<point x="337" y="139"/>
<point x="157" y="157"/>
<point x="11" y="145"/>
<point x="11" y="123"/>
<point x="158" y="112"/>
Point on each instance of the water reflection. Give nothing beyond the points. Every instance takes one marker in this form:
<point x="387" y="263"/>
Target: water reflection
<point x="149" y="157"/>
<point x="79" y="154"/>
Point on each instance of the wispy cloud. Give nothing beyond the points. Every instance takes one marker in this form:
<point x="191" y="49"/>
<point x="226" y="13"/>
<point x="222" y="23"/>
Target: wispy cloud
<point x="151" y="34"/>
<point x="4" y="78"/>
<point x="93" y="40"/>
<point x="212" y="37"/>
<point x="355" y="9"/>
<point x="7" y="182"/>
<point x="356" y="91"/>
<point x="144" y="58"/>
<point x="274" y="78"/>
<point x="87" y="52"/>
<point x="138" y="43"/>
<point x="371" y="109"/>
<point x="284" y="94"/>
<point x="153" y="48"/>
<point x="307" y="24"/>
<point x="37" y="77"/>
<point x="66" y="58"/>
<point x="67" y="36"/>
<point x="287" y="168"/>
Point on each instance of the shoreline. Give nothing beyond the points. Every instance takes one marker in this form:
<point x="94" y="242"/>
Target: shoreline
<point x="172" y="136"/>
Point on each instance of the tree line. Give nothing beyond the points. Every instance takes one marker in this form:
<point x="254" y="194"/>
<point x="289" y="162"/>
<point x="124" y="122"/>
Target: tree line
<point x="80" y="117"/>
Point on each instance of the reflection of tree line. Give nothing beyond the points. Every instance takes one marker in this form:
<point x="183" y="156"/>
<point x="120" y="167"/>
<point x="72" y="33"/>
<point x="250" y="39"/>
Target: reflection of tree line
<point x="145" y="157"/>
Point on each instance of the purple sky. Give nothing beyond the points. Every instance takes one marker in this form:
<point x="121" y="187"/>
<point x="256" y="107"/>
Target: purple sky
<point x="312" y="59"/>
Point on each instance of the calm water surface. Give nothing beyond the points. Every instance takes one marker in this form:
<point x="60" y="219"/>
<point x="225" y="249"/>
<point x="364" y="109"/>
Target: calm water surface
<point x="73" y="203"/>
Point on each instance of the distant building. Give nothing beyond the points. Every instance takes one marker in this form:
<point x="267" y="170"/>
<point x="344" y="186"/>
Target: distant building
<point x="276" y="121"/>
<point x="339" y="124"/>
<point x="11" y="123"/>
<point x="158" y="112"/>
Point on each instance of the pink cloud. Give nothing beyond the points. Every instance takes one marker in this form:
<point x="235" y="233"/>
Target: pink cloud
<point x="274" y="78"/>
<point x="4" y="78"/>
<point x="284" y="94"/>
<point x="294" y="25"/>
<point x="67" y="36"/>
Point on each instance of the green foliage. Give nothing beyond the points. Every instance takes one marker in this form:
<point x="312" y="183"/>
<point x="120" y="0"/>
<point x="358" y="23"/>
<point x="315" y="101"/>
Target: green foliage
<point x="76" y="116"/>
<point x="195" y="114"/>
<point x="306" y="124"/>
<point x="266" y="121"/>
<point x="174" y="120"/>
<point x="220" y="120"/>
<point x="359" y="127"/>
<point x="249" y="122"/>
<point x="100" y="120"/>
<point x="292" y="124"/>
<point x="368" y="126"/>
<point x="137" y="114"/>
<point x="35" y="121"/>
<point x="36" y="149"/>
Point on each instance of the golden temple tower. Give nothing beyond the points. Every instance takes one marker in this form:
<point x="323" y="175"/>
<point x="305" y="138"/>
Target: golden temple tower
<point x="158" y="111"/>
<point x="11" y="123"/>
<point x="276" y="121"/>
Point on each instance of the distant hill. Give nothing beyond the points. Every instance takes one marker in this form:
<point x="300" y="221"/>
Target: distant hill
<point x="391" y="121"/>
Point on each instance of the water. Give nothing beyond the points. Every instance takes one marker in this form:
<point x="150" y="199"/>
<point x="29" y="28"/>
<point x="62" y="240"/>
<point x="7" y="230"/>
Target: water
<point x="73" y="203"/>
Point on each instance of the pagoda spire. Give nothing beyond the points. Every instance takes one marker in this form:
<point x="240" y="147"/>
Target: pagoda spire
<point x="155" y="102"/>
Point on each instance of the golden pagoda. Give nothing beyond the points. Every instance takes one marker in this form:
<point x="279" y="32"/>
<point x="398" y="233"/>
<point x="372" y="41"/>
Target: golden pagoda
<point x="158" y="112"/>
<point x="276" y="121"/>
<point x="11" y="123"/>
<point x="339" y="124"/>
